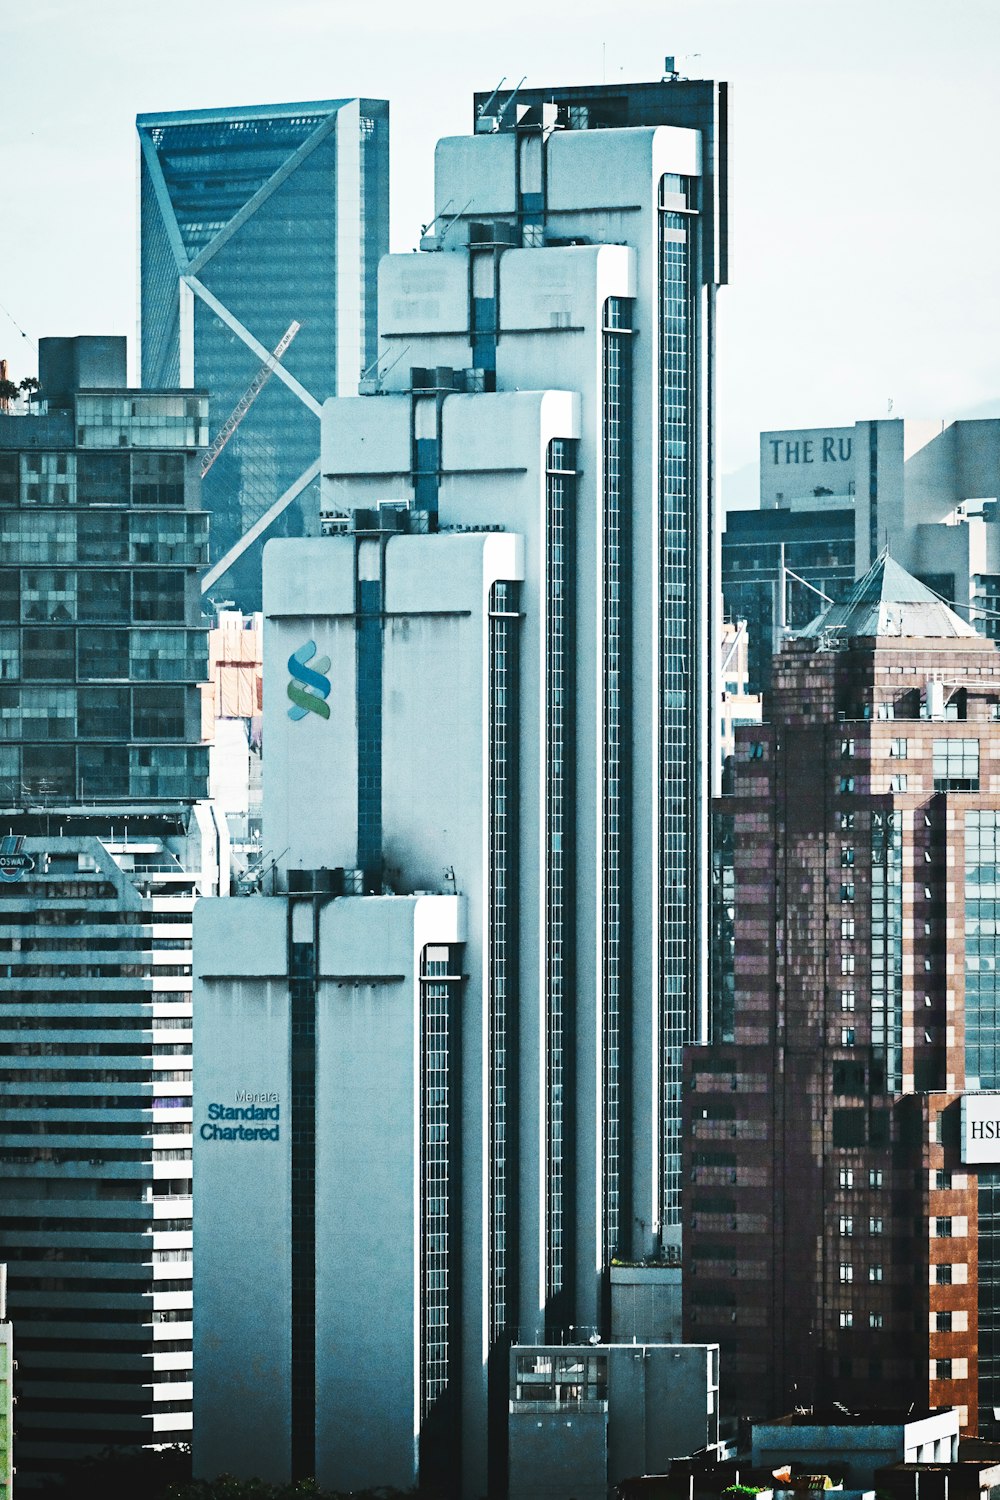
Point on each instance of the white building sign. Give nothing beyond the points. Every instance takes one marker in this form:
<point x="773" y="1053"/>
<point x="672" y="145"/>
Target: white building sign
<point x="981" y="1128"/>
<point x="814" y="464"/>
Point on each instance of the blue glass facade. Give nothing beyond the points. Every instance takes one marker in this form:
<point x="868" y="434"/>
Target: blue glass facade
<point x="101" y="543"/>
<point x="253" y="219"/>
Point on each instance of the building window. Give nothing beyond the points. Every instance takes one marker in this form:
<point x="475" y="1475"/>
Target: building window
<point x="886" y="710"/>
<point x="943" y="1274"/>
<point x="875" y="1177"/>
<point x="439" y="967"/>
<point x="846" y="1272"/>
<point x="847" y="891"/>
<point x="847" y="749"/>
<point x="847" y="927"/>
<point x="897" y="783"/>
<point x="956" y="765"/>
<point x="560" y="658"/>
<point x="616" y="426"/>
<point x="942" y="1228"/>
<point x="943" y="1369"/>
<point x="502" y="978"/>
<point x="845" y="820"/>
<point x="846" y="1224"/>
<point x="847" y="998"/>
<point x="846" y="784"/>
<point x="846" y="1177"/>
<point x="847" y="855"/>
<point x="874" y="1273"/>
<point x="847" y="1036"/>
<point x="897" y="749"/>
<point x="942" y="1322"/>
<point x="846" y="1319"/>
<point x="677" y="552"/>
<point x="942" y="1180"/>
<point x="847" y="963"/>
<point x="755" y="750"/>
<point x="874" y="1226"/>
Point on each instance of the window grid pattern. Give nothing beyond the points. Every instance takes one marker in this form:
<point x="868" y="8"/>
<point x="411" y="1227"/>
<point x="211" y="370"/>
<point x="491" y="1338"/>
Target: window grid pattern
<point x="302" y="988"/>
<point x="504" y="599"/>
<point x="982" y="950"/>
<point x="617" y="442"/>
<point x="886" y="949"/>
<point x="560" y="498"/>
<point x="368" y="655"/>
<point x="437" y="977"/>
<point x="58" y="1124"/>
<point x="956" y="765"/>
<point x="988" y="1347"/>
<point x="678" y="668"/>
<point x="103" y="556"/>
<point x="211" y="170"/>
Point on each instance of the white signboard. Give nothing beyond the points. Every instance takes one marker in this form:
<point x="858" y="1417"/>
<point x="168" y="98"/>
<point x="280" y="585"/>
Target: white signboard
<point x="981" y="1128"/>
<point x="813" y="463"/>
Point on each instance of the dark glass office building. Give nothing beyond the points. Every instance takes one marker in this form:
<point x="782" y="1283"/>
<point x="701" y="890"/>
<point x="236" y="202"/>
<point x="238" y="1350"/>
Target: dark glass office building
<point x="253" y="220"/>
<point x="106" y="840"/>
<point x="102" y="542"/>
<point x="819" y="546"/>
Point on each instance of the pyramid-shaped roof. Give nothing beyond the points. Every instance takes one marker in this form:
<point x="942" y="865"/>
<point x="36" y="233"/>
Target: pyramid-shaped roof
<point x="889" y="601"/>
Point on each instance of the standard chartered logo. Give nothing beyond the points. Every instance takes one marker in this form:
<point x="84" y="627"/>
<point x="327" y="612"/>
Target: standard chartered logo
<point x="309" y="687"/>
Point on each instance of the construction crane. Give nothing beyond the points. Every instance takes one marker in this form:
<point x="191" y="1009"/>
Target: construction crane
<point x="248" y="398"/>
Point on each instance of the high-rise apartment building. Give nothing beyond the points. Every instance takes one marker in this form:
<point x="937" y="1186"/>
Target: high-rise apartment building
<point x="252" y="220"/>
<point x="105" y="842"/>
<point x="840" y="1132"/>
<point x="503" y="647"/>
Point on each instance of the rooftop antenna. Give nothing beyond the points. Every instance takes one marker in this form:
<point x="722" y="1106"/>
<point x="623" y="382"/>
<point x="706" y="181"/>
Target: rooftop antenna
<point x="389" y="368"/>
<point x="510" y="99"/>
<point x="485" y="111"/>
<point x="453" y="220"/>
<point x="426" y="228"/>
<point x="380" y="376"/>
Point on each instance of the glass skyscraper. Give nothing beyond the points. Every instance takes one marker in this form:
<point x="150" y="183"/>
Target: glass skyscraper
<point x="106" y="841"/>
<point x="252" y="220"/>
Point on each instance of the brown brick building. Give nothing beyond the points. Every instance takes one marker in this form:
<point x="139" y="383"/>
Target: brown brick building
<point x="832" y="1235"/>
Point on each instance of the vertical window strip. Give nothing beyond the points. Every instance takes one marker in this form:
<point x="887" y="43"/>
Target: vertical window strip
<point x="503" y="610"/>
<point x="616" y="437"/>
<point x="436" y="981"/>
<point x="887" y="966"/>
<point x="678" y="665"/>
<point x="303" y="1126"/>
<point x="560" y="495"/>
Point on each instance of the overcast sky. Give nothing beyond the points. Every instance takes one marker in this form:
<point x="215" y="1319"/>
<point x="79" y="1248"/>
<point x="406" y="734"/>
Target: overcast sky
<point x="866" y="214"/>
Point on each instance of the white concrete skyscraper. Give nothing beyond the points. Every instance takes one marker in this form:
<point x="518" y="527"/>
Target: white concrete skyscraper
<point x="488" y="699"/>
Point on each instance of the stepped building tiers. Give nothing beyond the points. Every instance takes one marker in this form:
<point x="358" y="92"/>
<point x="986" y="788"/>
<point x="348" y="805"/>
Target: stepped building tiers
<point x="841" y="1151"/>
<point x="474" y="959"/>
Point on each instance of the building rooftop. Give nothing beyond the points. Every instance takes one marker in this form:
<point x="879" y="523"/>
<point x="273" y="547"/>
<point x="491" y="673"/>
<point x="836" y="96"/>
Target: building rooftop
<point x="888" y="601"/>
<point x="866" y="1416"/>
